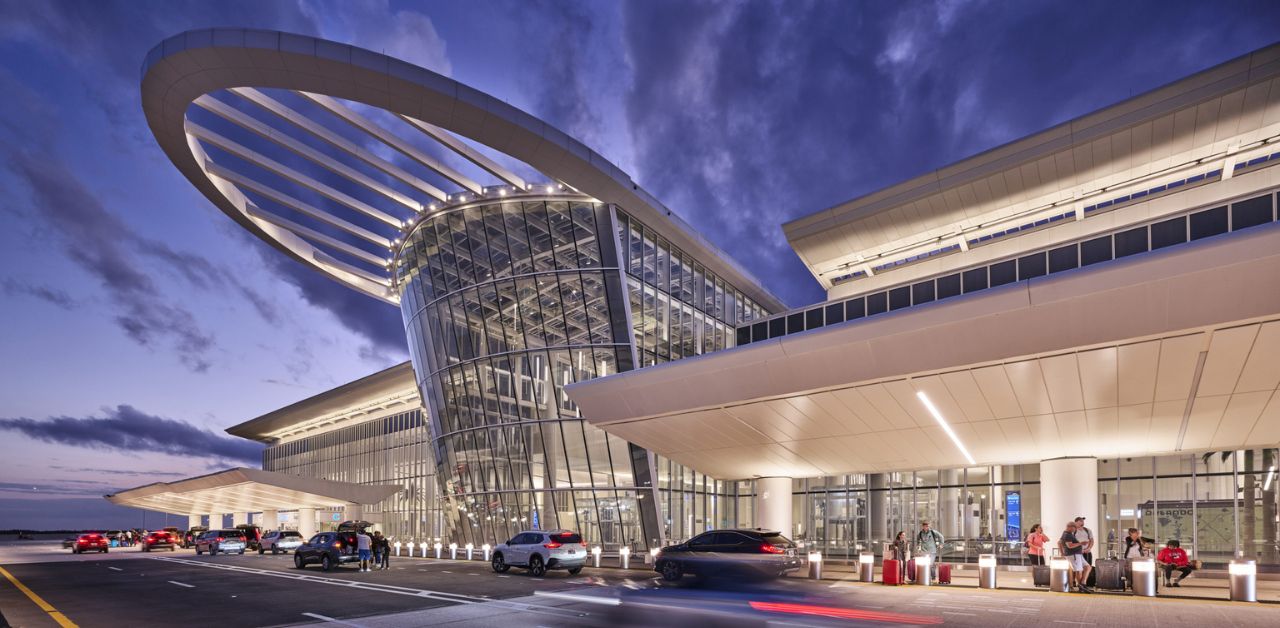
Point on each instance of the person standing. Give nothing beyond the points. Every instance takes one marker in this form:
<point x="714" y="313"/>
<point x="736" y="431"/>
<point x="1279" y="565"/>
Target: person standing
<point x="1085" y="536"/>
<point x="382" y="549"/>
<point x="898" y="551"/>
<point x="364" y="545"/>
<point x="929" y="541"/>
<point x="1035" y="541"/>
<point x="1073" y="550"/>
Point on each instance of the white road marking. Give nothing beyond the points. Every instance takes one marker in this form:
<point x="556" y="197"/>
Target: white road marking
<point x="501" y="576"/>
<point x="1078" y="623"/>
<point x="182" y="584"/>
<point x="455" y="598"/>
<point x="589" y="599"/>
<point x="958" y="613"/>
<point x="445" y="571"/>
<point x="331" y="620"/>
<point x="115" y="569"/>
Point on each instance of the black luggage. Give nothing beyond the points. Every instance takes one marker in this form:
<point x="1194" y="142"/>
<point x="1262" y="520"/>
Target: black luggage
<point x="1110" y="574"/>
<point x="1040" y="575"/>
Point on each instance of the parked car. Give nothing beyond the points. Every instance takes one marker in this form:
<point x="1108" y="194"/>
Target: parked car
<point x="189" y="537"/>
<point x="540" y="550"/>
<point x="220" y="541"/>
<point x="90" y="542"/>
<point x="330" y="549"/>
<point x="69" y="542"/>
<point x="734" y="553"/>
<point x="280" y="540"/>
<point x="252" y="535"/>
<point x="158" y="540"/>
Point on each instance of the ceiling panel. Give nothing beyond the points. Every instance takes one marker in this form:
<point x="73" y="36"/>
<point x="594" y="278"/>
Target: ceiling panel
<point x="1062" y="380"/>
<point x="866" y="412"/>
<point x="1262" y="368"/>
<point x="964" y="389"/>
<point x="1267" y="428"/>
<point x="1137" y="373"/>
<point x="998" y="392"/>
<point x="1228" y="350"/>
<point x="1098" y="377"/>
<point x="888" y="407"/>
<point x="1206" y="415"/>
<point x="1166" y="421"/>
<point x="1028" y="385"/>
<point x="1239" y="418"/>
<point x="905" y="394"/>
<point x="1177" y="367"/>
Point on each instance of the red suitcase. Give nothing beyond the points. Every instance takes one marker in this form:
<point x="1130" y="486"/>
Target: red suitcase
<point x="944" y="573"/>
<point x="891" y="572"/>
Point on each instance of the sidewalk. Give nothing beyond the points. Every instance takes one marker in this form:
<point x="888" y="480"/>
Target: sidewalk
<point x="1193" y="588"/>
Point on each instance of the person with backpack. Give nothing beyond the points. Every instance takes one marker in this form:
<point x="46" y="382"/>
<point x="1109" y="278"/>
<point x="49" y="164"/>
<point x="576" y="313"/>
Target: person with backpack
<point x="1034" y="543"/>
<point x="929" y="541"/>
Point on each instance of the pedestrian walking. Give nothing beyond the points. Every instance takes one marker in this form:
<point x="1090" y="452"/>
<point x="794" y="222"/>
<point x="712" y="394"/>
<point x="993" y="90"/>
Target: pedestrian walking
<point x="929" y="542"/>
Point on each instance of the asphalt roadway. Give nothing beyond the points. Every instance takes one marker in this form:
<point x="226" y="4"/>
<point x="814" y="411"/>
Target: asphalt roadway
<point x="130" y="588"/>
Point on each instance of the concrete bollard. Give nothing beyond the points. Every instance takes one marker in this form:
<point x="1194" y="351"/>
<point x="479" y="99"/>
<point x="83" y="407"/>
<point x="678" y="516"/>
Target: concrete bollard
<point x="398" y="548"/>
<point x="595" y="555"/>
<point x="815" y="565"/>
<point x="453" y="551"/>
<point x="469" y="548"/>
<point x="624" y="554"/>
<point x="424" y="549"/>
<point x="487" y="548"/>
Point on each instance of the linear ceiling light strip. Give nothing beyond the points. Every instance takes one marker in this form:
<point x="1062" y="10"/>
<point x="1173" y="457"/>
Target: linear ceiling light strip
<point x="946" y="427"/>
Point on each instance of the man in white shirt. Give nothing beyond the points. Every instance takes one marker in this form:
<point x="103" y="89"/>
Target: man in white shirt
<point x="364" y="545"/>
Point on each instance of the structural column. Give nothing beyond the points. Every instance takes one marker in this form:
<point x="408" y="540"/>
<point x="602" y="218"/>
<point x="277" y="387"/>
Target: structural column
<point x="773" y="505"/>
<point x="948" y="522"/>
<point x="307" y="522"/>
<point x="239" y="518"/>
<point x="270" y="519"/>
<point x="877" y="483"/>
<point x="193" y="521"/>
<point x="1068" y="489"/>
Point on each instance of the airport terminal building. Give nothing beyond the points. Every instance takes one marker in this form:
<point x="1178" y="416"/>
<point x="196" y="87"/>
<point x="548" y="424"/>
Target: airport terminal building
<point x="1085" y="321"/>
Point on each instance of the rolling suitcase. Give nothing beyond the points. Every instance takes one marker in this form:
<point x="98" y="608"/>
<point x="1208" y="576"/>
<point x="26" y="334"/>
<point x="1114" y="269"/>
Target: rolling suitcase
<point x="891" y="572"/>
<point x="1110" y="574"/>
<point x="911" y="570"/>
<point x="1040" y="575"/>
<point x="944" y="573"/>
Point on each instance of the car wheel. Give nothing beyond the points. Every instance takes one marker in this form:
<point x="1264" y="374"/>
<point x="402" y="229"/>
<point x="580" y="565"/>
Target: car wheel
<point x="537" y="568"/>
<point x="671" y="571"/>
<point x="104" y="550"/>
<point x="274" y="550"/>
<point x="575" y="571"/>
<point x="297" y="561"/>
<point x="198" y="551"/>
<point x="146" y="549"/>
<point x="241" y="553"/>
<point x="326" y="563"/>
<point x="499" y="563"/>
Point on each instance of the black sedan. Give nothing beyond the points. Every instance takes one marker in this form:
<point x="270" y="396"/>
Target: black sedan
<point x="730" y="553"/>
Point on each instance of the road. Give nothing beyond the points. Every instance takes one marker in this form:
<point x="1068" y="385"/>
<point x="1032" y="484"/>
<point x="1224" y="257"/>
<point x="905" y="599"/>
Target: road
<point x="130" y="588"/>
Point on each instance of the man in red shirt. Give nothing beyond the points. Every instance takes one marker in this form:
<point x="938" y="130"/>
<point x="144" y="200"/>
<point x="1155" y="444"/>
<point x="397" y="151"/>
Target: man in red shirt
<point x="1173" y="557"/>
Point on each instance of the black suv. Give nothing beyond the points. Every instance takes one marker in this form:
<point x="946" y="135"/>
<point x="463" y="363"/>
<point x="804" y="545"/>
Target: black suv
<point x="252" y="535"/>
<point x="741" y="553"/>
<point x="327" y="548"/>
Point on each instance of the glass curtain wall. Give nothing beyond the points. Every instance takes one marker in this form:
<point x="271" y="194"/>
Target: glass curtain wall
<point x="506" y="303"/>
<point x="382" y="451"/>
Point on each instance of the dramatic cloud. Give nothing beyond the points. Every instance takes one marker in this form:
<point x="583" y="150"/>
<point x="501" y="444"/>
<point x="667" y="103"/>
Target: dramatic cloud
<point x="98" y="471"/>
<point x="57" y="490"/>
<point x="127" y="430"/>
<point x="13" y="287"/>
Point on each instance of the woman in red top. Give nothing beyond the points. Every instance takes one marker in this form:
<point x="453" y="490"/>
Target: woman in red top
<point x="1172" y="557"/>
<point x="1035" y="541"/>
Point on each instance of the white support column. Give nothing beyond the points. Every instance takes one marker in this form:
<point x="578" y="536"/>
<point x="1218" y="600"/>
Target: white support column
<point x="239" y="518"/>
<point x="307" y="522"/>
<point x="1068" y="489"/>
<point x="194" y="521"/>
<point x="773" y="505"/>
<point x="353" y="512"/>
<point x="270" y="519"/>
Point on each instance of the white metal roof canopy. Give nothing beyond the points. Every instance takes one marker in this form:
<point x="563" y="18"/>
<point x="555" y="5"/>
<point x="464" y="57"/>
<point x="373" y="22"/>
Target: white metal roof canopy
<point x="248" y="490"/>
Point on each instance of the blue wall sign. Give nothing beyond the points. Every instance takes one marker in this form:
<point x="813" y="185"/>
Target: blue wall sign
<point x="1013" y="513"/>
<point x="535" y="520"/>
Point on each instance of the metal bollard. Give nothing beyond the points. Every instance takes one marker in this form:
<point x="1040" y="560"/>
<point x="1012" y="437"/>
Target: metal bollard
<point x="1144" y="576"/>
<point x="453" y="551"/>
<point x="987" y="571"/>
<point x="595" y="555"/>
<point x="1059" y="575"/>
<point x="924" y="570"/>
<point x="487" y="548"/>
<point x="398" y="548"/>
<point x="866" y="567"/>
<point x="624" y="554"/>
<point x="1244" y="580"/>
<point x="437" y="549"/>
<point x="815" y="565"/>
<point x="469" y="548"/>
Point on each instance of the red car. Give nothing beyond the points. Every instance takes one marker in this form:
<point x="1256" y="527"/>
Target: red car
<point x="90" y="541"/>
<point x="158" y="540"/>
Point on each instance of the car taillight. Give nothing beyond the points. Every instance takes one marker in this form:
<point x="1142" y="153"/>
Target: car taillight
<point x="551" y="545"/>
<point x="337" y="545"/>
<point x="220" y="539"/>
<point x="772" y="549"/>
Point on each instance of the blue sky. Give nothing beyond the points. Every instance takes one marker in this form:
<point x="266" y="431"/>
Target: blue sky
<point x="139" y="322"/>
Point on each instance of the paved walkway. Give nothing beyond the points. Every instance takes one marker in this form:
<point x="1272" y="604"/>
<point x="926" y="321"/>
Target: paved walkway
<point x="1194" y="587"/>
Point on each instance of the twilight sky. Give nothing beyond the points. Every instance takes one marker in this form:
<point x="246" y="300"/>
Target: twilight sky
<point x="138" y="322"/>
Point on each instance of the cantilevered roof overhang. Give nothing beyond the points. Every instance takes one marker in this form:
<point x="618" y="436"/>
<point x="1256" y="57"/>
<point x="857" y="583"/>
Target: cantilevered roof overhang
<point x="1176" y="350"/>
<point x="248" y="490"/>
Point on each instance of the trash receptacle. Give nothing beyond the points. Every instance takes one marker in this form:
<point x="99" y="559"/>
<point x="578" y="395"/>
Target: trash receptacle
<point x="1144" y="576"/>
<point x="1060" y="575"/>
<point x="924" y="569"/>
<point x="1244" y="580"/>
<point x="987" y="571"/>
<point x="866" y="567"/>
<point x="815" y="565"/>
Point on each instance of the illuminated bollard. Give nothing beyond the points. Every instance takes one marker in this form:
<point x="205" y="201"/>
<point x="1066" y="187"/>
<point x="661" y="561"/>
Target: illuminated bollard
<point x="487" y="548"/>
<point x="1059" y="575"/>
<point x="437" y="549"/>
<point x="987" y="571"/>
<point x="924" y="570"/>
<point x="815" y="565"/>
<point x="624" y="554"/>
<point x="1144" y="576"/>
<point x="398" y="548"/>
<point x="453" y="551"/>
<point x="652" y="557"/>
<point x="866" y="567"/>
<point x="469" y="548"/>
<point x="595" y="555"/>
<point x="1243" y="576"/>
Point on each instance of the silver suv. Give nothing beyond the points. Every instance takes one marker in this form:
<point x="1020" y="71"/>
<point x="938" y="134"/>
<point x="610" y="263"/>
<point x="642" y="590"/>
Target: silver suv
<point x="540" y="550"/>
<point x="221" y="541"/>
<point x="280" y="540"/>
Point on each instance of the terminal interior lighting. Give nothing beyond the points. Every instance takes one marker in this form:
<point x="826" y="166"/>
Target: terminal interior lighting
<point x="923" y="560"/>
<point x="946" y="427"/>
<point x="815" y="557"/>
<point x="1061" y="564"/>
<point x="1271" y="475"/>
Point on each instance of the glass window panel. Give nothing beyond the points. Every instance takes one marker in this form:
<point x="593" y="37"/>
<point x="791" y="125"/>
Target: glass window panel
<point x="1131" y="242"/>
<point x="948" y="286"/>
<point x="1095" y="250"/>
<point x="1169" y="232"/>
<point x="635" y="250"/>
<point x="855" y="308"/>
<point x="813" y="318"/>
<point x="462" y="255"/>
<point x="1209" y="222"/>
<point x="975" y="279"/>
<point x="1251" y="213"/>
<point x="663" y="265"/>
<point x="518" y="239"/>
<point x="1003" y="272"/>
<point x="479" y="241"/>
<point x="922" y="292"/>
<point x="1031" y="266"/>
<point x="531" y="316"/>
<point x="541" y="246"/>
<point x="553" y="314"/>
<point x="1064" y="258"/>
<point x="900" y="297"/>
<point x="877" y="303"/>
<point x="577" y="323"/>
<point x="561" y="229"/>
<point x="795" y="322"/>
<point x="834" y="313"/>
<point x="650" y="268"/>
<point x="584" y="234"/>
